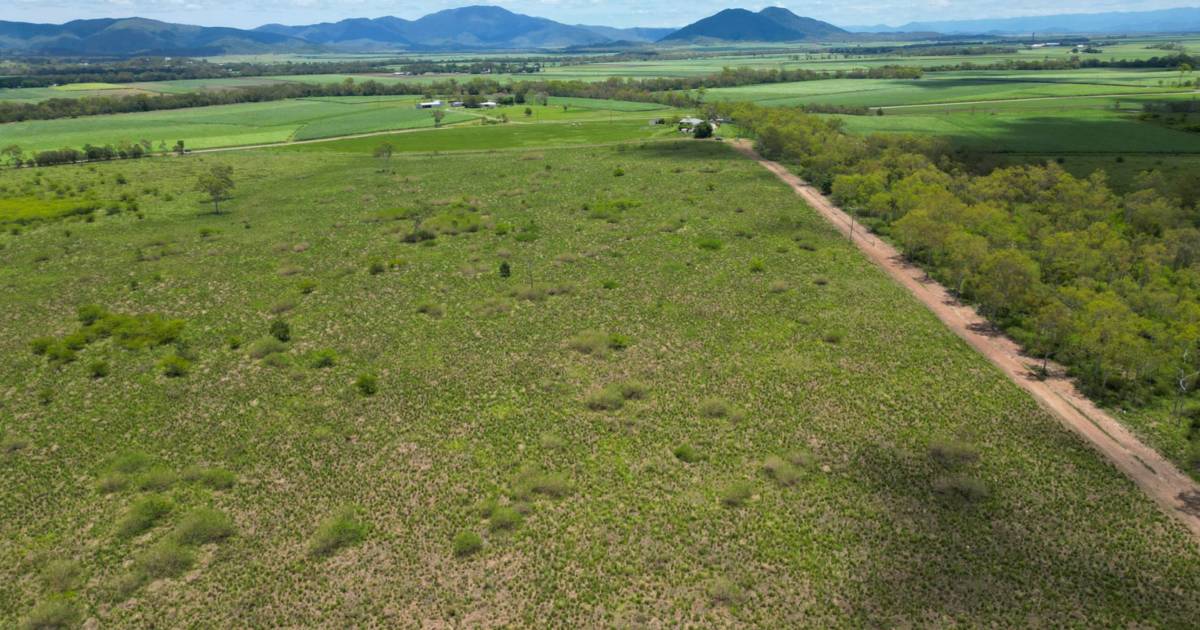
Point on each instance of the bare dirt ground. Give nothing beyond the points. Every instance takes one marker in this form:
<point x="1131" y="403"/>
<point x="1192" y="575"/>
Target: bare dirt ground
<point x="1173" y="490"/>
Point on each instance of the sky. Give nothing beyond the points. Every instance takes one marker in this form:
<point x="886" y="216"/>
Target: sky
<point x="247" y="14"/>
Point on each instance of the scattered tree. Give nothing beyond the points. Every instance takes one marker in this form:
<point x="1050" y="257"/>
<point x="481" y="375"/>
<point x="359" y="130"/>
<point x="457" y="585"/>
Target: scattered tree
<point x="217" y="183"/>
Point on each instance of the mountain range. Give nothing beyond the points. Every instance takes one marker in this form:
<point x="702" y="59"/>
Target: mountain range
<point x="1180" y="20"/>
<point x="495" y="28"/>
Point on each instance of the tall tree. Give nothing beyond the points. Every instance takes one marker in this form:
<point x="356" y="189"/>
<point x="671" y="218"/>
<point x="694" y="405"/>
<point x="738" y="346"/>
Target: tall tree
<point x="217" y="183"/>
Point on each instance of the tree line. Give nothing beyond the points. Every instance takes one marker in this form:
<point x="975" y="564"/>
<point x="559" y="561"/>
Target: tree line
<point x="1104" y="283"/>
<point x="666" y="90"/>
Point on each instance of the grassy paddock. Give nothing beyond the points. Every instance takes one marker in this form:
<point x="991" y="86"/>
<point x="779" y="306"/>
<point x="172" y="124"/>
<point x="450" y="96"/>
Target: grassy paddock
<point x="595" y="386"/>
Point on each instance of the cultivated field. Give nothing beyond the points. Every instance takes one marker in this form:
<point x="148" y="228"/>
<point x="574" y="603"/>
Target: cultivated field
<point x="629" y="385"/>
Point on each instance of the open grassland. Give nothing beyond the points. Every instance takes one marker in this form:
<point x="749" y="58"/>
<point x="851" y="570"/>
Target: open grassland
<point x="229" y="125"/>
<point x="620" y="386"/>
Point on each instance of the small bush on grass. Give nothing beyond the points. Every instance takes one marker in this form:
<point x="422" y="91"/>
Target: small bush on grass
<point x="714" y="408"/>
<point x="504" y="518"/>
<point x="532" y="480"/>
<point x="280" y="330"/>
<point x="337" y="532"/>
<point x="62" y="575"/>
<point x="214" y="478"/>
<point x="324" y="359"/>
<point x="376" y="268"/>
<point x="431" y="309"/>
<point x="725" y="591"/>
<point x="607" y="399"/>
<point x="130" y="462"/>
<point x="781" y="470"/>
<point x="757" y="266"/>
<point x="952" y="454"/>
<point x="201" y="526"/>
<point x="265" y="347"/>
<point x="165" y="559"/>
<point x="466" y="543"/>
<point x="688" y="454"/>
<point x="144" y="514"/>
<point x="174" y="366"/>
<point x="632" y="390"/>
<point x="98" y="369"/>
<point x="367" y="384"/>
<point x="737" y="494"/>
<point x="710" y="244"/>
<point x="591" y="342"/>
<point x="156" y="478"/>
<point x="960" y="488"/>
<point x="53" y="614"/>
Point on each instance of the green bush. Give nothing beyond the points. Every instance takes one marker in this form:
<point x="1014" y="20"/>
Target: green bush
<point x="367" y="384"/>
<point x="265" y="347"/>
<point x="607" y="399"/>
<point x="711" y="244"/>
<point x="156" y="478"/>
<point x="144" y="514"/>
<point x="737" y="493"/>
<point x="688" y="454"/>
<point x="376" y="268"/>
<point x="341" y="530"/>
<point x="324" y="359"/>
<point x="62" y="575"/>
<point x="214" y="478"/>
<point x="53" y="614"/>
<point x="757" y="265"/>
<point x="781" y="470"/>
<point x="714" y="408"/>
<point x="165" y="559"/>
<point x="201" y="526"/>
<point x="174" y="366"/>
<point x="504" y="518"/>
<point x="98" y="369"/>
<point x="589" y="342"/>
<point x="130" y="462"/>
<point x="466" y="543"/>
<point x="431" y="309"/>
<point x="960" y="488"/>
<point x="280" y="330"/>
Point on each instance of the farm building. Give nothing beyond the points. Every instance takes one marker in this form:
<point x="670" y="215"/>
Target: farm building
<point x="429" y="104"/>
<point x="488" y="104"/>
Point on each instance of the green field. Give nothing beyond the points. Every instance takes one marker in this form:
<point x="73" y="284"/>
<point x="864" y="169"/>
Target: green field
<point x="684" y="365"/>
<point x="230" y="125"/>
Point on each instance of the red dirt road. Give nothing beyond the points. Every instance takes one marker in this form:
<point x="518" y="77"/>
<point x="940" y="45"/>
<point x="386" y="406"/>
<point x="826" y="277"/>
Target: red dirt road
<point x="1175" y="492"/>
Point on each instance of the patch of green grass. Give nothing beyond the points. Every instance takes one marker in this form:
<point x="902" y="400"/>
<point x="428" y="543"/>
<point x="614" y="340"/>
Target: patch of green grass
<point x="466" y="543"/>
<point x="202" y="526"/>
<point x="144" y="514"/>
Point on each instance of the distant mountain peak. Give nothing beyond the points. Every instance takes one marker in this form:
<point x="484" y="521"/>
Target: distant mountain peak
<point x="772" y="24"/>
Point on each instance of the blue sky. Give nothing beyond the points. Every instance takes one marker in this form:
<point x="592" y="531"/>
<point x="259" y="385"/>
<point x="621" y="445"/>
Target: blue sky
<point x="243" y="13"/>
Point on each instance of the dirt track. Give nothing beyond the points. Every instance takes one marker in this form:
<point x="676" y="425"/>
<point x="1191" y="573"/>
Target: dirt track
<point x="1174" y="491"/>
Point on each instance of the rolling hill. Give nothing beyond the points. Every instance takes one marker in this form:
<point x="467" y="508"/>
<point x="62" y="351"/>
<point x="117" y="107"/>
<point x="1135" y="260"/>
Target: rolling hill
<point x="773" y="24"/>
<point x="139" y="36"/>
<point x="1179" y="20"/>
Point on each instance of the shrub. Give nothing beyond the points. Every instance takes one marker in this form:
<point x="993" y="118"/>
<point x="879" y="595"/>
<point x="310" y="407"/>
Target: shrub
<point x="324" y="359"/>
<point x="130" y="462"/>
<point x="960" y="488"/>
<point x="466" y="543"/>
<point x="801" y="459"/>
<point x="607" y="399"/>
<point x="952" y="454"/>
<point x="143" y="514"/>
<point x="725" y="591"/>
<point x="53" y="613"/>
<point x="736" y="493"/>
<point x="688" y="454"/>
<point x="504" y="518"/>
<point x="505" y="269"/>
<point x="157" y="478"/>
<point x="214" y="478"/>
<point x="367" y="384"/>
<point x="201" y="526"/>
<point x="589" y="342"/>
<point x="306" y="286"/>
<point x="781" y="470"/>
<point x="376" y="268"/>
<point x="280" y="330"/>
<point x="757" y="265"/>
<point x="174" y="366"/>
<point x="341" y="530"/>
<point x="431" y="309"/>
<point x="714" y="408"/>
<point x="265" y="347"/>
<point x="42" y="345"/>
<point x="710" y="244"/>
<point x="165" y="559"/>
<point x="233" y="342"/>
<point x="618" y="172"/>
<point x="98" y="369"/>
<point x="833" y="338"/>
<point x="618" y="341"/>
<point x="535" y="481"/>
<point x="62" y="575"/>
<point x="632" y="390"/>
